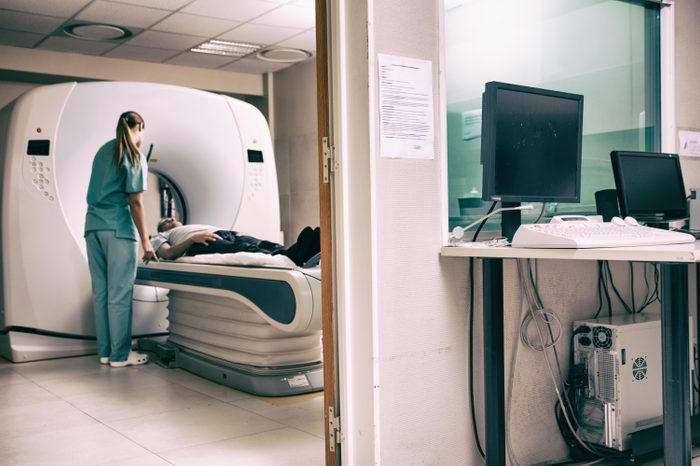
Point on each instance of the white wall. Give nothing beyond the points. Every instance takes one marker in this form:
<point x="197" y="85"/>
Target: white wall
<point x="687" y="63"/>
<point x="405" y="353"/>
<point x="296" y="146"/>
<point x="402" y="308"/>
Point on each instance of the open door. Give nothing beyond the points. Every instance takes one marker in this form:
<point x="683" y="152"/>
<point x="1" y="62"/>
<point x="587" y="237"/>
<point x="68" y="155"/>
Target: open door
<point x="325" y="144"/>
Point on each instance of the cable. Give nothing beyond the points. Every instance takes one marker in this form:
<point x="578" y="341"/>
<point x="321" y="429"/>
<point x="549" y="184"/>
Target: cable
<point x="567" y="412"/>
<point x="72" y="336"/>
<point x="471" y="357"/>
<point x="458" y="232"/>
<point x="539" y="217"/>
<point x="606" y="267"/>
<point x="483" y="222"/>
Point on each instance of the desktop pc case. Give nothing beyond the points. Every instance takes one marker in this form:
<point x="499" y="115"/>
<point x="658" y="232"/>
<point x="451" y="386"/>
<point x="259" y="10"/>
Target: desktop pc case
<point x="621" y="359"/>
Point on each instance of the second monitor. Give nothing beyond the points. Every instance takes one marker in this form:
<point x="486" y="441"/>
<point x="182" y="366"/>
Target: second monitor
<point x="650" y="186"/>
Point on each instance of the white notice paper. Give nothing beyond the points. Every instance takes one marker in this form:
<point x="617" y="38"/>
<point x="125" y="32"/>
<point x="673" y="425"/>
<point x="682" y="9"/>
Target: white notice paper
<point x="689" y="143"/>
<point x="406" y="107"/>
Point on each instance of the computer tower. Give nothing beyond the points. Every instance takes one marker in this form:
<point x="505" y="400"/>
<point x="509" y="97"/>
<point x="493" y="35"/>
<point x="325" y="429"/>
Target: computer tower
<point x="620" y="357"/>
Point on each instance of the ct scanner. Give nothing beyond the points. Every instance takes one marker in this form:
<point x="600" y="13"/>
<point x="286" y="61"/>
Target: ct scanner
<point x="253" y="328"/>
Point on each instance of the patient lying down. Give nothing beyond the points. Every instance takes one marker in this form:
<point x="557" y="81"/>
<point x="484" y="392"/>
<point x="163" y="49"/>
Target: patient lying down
<point x="175" y="239"/>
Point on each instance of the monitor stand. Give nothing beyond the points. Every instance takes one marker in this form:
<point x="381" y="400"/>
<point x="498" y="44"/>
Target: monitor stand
<point x="510" y="220"/>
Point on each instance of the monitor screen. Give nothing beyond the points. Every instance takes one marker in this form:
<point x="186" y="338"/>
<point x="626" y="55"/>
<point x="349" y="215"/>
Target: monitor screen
<point x="649" y="186"/>
<point x="531" y="144"/>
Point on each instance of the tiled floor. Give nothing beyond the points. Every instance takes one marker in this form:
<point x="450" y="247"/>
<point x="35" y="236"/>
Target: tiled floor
<point x="74" y="411"/>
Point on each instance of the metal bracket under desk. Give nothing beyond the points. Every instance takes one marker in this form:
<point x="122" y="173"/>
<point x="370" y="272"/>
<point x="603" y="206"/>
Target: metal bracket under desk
<point x="675" y="350"/>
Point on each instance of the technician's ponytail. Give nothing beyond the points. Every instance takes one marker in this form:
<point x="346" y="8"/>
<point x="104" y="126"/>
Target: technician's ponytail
<point x="127" y="120"/>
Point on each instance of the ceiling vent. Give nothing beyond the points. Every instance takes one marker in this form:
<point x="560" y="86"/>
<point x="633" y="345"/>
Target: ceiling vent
<point x="283" y="55"/>
<point x="96" y="31"/>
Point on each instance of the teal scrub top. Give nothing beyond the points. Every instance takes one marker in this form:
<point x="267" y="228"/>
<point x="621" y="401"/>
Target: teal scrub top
<point x="108" y="193"/>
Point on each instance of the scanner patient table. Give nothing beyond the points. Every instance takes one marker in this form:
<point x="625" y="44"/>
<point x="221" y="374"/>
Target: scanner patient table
<point x="256" y="329"/>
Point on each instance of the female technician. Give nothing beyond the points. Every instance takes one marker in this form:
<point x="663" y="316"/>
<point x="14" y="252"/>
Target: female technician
<point x="114" y="223"/>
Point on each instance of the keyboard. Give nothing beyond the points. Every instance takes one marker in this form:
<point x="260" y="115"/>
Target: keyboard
<point x="590" y="234"/>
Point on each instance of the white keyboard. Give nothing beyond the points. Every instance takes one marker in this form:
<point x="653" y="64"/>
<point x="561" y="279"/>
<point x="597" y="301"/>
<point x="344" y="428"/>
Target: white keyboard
<point x="580" y="232"/>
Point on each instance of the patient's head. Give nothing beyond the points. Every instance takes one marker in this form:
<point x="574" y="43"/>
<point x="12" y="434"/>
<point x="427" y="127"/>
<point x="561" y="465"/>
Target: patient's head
<point x="169" y="223"/>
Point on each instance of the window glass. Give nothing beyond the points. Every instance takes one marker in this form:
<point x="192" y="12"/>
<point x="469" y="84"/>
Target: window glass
<point x="606" y="50"/>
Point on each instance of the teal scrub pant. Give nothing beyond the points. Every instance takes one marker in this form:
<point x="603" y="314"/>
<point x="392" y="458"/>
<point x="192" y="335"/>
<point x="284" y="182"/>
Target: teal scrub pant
<point x="112" y="263"/>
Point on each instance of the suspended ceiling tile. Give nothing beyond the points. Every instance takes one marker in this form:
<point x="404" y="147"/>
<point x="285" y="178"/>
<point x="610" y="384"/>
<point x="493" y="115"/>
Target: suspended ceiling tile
<point x="305" y="41"/>
<point x="61" y="9"/>
<point x="121" y="14"/>
<point x="289" y="16"/>
<point x="68" y="44"/>
<point x="260" y="33"/>
<point x="182" y="23"/>
<point x="150" y="54"/>
<point x="171" y="5"/>
<point x="227" y="9"/>
<point x="19" y="38"/>
<point x="28" y="22"/>
<point x="200" y="60"/>
<point x="166" y="40"/>
<point x="253" y="65"/>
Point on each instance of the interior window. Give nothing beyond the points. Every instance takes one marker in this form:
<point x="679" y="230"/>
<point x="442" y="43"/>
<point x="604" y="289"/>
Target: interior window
<point x="607" y="50"/>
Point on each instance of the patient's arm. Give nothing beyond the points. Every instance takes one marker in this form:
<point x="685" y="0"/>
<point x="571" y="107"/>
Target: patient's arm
<point x="170" y="252"/>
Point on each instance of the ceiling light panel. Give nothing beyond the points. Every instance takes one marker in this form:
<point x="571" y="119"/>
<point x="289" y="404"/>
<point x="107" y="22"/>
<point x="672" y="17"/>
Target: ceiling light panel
<point x="226" y="48"/>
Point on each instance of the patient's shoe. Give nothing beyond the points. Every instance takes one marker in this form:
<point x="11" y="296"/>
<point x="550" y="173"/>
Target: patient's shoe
<point x="297" y="251"/>
<point x="312" y="247"/>
<point x="104" y="360"/>
<point x="134" y="359"/>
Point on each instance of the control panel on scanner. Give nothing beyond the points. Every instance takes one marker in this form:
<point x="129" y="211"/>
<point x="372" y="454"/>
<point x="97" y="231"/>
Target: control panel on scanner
<point x="579" y="231"/>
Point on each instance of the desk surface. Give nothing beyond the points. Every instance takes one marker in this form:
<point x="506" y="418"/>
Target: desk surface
<point x="687" y="253"/>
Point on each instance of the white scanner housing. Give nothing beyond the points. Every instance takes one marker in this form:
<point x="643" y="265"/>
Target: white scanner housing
<point x="214" y="149"/>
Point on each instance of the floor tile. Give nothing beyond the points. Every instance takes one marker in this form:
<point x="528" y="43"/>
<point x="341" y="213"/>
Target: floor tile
<point x="149" y="459"/>
<point x="9" y="376"/>
<point x="134" y="401"/>
<point x="83" y="445"/>
<point x="65" y="367"/>
<point x="194" y="426"/>
<point x="82" y="413"/>
<point x="20" y="394"/>
<point x="283" y="447"/>
<point x="106" y="379"/>
<point x="46" y="416"/>
<point x="302" y="412"/>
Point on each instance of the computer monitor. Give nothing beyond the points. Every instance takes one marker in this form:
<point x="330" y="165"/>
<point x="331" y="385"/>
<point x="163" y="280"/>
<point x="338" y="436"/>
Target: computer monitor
<point x="649" y="186"/>
<point x="530" y="146"/>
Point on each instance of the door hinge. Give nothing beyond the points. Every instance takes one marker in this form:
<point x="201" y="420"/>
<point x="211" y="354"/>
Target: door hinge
<point x="328" y="159"/>
<point x="333" y="429"/>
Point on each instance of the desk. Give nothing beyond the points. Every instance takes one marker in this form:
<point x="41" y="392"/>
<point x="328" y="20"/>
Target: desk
<point x="674" y="261"/>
